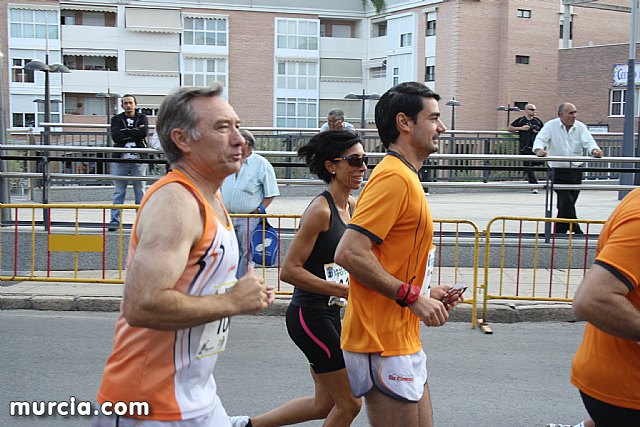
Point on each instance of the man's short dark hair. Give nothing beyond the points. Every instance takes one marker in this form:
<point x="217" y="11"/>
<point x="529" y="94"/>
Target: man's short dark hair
<point x="404" y="98"/>
<point x="130" y="96"/>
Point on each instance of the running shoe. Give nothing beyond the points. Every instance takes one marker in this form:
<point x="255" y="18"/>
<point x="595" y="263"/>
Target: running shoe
<point x="239" y="421"/>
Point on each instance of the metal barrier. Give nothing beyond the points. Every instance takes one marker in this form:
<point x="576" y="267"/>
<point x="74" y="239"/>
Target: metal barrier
<point x="542" y="271"/>
<point x="68" y="243"/>
<point x="74" y="246"/>
<point x="454" y="264"/>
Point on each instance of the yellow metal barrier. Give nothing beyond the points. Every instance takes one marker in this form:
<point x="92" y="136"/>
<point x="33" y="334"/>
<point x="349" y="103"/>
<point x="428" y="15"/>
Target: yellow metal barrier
<point x="69" y="243"/>
<point x="74" y="246"/>
<point x="457" y="257"/>
<point x="522" y="266"/>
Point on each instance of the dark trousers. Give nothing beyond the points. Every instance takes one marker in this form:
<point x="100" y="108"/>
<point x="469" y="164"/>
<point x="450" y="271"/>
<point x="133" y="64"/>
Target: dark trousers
<point x="529" y="173"/>
<point x="567" y="198"/>
<point x="606" y="415"/>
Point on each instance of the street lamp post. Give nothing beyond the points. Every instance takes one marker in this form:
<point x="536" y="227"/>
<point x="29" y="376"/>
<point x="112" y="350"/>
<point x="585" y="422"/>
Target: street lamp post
<point x="453" y="104"/>
<point x="509" y="108"/>
<point x="5" y="195"/>
<point x="37" y="65"/>
<point x="362" y="97"/>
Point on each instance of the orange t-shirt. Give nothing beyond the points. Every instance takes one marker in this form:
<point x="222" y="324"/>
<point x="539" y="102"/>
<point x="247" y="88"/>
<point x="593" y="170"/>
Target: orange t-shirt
<point x="392" y="210"/>
<point x="606" y="367"/>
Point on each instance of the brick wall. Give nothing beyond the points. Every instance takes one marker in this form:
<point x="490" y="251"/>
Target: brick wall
<point x="585" y="76"/>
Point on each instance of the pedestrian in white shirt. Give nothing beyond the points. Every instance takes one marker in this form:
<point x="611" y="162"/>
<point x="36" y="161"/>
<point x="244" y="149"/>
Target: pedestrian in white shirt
<point x="566" y="136"/>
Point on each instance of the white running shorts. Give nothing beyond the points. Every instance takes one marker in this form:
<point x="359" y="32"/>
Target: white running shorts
<point x="399" y="377"/>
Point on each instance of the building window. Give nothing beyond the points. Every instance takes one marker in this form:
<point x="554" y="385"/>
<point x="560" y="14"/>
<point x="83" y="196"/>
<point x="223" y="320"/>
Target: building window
<point x="396" y="76"/>
<point x="94" y="63"/>
<point x="524" y="13"/>
<point x="431" y="24"/>
<point x="297" y="112"/>
<point x="377" y="72"/>
<point x="302" y="34"/>
<point x="406" y="39"/>
<point x="570" y="29"/>
<point x="379" y="29"/>
<point x="430" y="73"/>
<point x="297" y="75"/>
<point x="335" y="28"/>
<point x="203" y="72"/>
<point x="205" y="32"/>
<point x="23" y="120"/>
<point x="520" y="104"/>
<point x="522" y="59"/>
<point x="150" y="112"/>
<point x="19" y="74"/>
<point x="86" y="18"/>
<point x="617" y="99"/>
<point x="33" y="24"/>
<point x="55" y="111"/>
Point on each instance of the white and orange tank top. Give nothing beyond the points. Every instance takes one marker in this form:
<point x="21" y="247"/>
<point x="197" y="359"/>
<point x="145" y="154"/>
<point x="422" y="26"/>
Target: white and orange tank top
<point x="173" y="370"/>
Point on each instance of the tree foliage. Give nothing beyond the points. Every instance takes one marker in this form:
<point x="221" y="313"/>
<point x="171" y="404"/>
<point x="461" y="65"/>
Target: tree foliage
<point x="378" y="4"/>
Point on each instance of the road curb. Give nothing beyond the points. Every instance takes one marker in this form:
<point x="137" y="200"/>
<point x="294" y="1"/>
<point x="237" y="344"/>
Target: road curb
<point x="496" y="313"/>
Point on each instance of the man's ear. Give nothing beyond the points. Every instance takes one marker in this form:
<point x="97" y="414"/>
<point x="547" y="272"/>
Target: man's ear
<point x="181" y="140"/>
<point x="402" y="122"/>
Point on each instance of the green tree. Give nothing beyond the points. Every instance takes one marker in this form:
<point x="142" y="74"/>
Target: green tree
<point x="378" y="4"/>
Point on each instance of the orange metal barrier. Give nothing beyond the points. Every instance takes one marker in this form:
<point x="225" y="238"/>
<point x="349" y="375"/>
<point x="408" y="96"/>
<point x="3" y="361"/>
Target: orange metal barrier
<point x="520" y="266"/>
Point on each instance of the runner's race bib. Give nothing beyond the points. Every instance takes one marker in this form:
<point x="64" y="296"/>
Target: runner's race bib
<point x="431" y="261"/>
<point x="215" y="334"/>
<point x="337" y="274"/>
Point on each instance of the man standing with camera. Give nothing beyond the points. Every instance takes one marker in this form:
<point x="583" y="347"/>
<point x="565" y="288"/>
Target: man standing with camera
<point x="527" y="128"/>
<point x="128" y="130"/>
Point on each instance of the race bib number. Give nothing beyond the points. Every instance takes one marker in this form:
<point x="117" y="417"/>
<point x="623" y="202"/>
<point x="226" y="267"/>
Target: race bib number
<point x="335" y="273"/>
<point x="215" y="334"/>
<point x="431" y="261"/>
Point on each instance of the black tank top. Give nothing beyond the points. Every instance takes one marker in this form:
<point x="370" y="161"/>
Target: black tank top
<point x="322" y="253"/>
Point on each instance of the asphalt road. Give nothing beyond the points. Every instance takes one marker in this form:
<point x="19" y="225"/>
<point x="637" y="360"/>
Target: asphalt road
<point x="519" y="376"/>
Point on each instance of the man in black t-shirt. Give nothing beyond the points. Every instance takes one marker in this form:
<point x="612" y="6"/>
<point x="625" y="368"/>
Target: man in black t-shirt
<point x="128" y="130"/>
<point x="527" y="127"/>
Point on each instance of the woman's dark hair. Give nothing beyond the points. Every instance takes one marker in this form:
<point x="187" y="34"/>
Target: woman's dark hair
<point x="327" y="146"/>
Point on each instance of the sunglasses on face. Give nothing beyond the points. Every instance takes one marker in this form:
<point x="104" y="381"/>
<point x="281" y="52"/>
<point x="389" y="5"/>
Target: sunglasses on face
<point x="353" y="160"/>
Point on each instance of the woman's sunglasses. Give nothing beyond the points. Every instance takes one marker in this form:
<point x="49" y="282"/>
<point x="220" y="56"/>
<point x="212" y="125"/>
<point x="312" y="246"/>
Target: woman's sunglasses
<point x="354" y="160"/>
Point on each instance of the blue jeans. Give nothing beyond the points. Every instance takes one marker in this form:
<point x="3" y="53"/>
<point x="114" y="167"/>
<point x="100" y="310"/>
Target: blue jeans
<point x="243" y="228"/>
<point x="120" y="186"/>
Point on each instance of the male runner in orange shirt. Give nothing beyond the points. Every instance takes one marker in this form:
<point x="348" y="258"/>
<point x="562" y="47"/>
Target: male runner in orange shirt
<point x="388" y="251"/>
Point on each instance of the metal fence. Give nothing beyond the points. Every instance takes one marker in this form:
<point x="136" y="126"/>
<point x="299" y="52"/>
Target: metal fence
<point x="493" y="144"/>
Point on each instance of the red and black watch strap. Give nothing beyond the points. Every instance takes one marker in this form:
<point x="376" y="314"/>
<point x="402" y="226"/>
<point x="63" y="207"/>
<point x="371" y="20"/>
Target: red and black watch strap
<point x="407" y="294"/>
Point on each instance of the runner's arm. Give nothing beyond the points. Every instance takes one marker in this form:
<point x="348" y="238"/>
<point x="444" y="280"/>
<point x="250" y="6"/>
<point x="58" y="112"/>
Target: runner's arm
<point x="314" y="221"/>
<point x="602" y="300"/>
<point x="355" y="253"/>
<point x="169" y="225"/>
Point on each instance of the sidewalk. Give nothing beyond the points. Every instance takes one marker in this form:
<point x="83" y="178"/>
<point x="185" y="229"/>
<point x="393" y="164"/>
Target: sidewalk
<point x="478" y="207"/>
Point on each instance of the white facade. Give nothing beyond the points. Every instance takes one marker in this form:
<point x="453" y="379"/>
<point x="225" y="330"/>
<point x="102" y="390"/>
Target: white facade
<point x="152" y="47"/>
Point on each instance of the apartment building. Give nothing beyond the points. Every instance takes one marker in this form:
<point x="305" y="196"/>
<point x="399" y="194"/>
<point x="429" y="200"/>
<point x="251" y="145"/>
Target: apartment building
<point x="285" y="63"/>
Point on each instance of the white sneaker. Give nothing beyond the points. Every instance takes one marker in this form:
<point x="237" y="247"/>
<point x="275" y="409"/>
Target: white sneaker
<point x="559" y="425"/>
<point x="239" y="421"/>
<point x="534" y="191"/>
